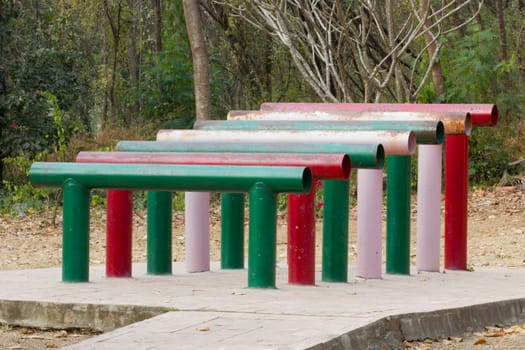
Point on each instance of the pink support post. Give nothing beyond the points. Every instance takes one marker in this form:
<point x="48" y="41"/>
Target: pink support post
<point x="369" y="222"/>
<point x="428" y="224"/>
<point x="118" y="233"/>
<point x="197" y="209"/>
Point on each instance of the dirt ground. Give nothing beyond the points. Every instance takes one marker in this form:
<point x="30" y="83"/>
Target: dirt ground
<point x="496" y="229"/>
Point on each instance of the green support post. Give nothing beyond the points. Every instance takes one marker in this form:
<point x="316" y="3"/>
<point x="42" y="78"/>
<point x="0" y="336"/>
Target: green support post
<point x="335" y="231"/>
<point x="75" y="248"/>
<point x="398" y="215"/>
<point x="159" y="233"/>
<point x="232" y="230"/>
<point x="262" y="237"/>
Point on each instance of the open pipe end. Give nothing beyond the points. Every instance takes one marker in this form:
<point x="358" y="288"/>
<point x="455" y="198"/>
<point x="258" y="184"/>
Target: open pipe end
<point x="468" y="124"/>
<point x="412" y="142"/>
<point x="440" y="133"/>
<point x="307" y="180"/>
<point x="380" y="157"/>
<point x="346" y="166"/>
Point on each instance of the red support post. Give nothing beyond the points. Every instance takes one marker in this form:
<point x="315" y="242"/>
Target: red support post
<point x="456" y="200"/>
<point x="119" y="233"/>
<point x="301" y="238"/>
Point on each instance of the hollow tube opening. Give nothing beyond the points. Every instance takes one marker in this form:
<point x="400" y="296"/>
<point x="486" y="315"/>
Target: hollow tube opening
<point x="440" y="133"/>
<point x="380" y="156"/>
<point x="468" y="124"/>
<point x="307" y="180"/>
<point x="346" y="166"/>
<point x="412" y="142"/>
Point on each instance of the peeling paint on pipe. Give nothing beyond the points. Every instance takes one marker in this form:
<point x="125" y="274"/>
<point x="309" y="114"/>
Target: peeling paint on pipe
<point x="457" y="123"/>
<point x="427" y="131"/>
<point x="394" y="142"/>
<point x="482" y="114"/>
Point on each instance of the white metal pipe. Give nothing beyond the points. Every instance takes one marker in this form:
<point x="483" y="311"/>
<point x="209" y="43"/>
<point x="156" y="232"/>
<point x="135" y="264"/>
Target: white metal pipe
<point x="369" y="222"/>
<point x="394" y="142"/>
<point x="428" y="222"/>
<point x="197" y="225"/>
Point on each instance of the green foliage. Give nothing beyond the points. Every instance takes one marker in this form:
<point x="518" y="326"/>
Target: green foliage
<point x="474" y="73"/>
<point x="17" y="195"/>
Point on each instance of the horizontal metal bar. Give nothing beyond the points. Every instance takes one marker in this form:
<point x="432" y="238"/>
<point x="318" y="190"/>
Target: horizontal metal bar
<point x="156" y="177"/>
<point x="427" y="131"/>
<point x="394" y="142"/>
<point x="323" y="166"/>
<point x="482" y="114"/>
<point x="455" y="123"/>
<point x="367" y="156"/>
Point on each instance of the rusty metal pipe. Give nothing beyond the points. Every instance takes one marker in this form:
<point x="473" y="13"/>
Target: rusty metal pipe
<point x="427" y="131"/>
<point x="482" y="114"/>
<point x="394" y="142"/>
<point x="455" y="123"/>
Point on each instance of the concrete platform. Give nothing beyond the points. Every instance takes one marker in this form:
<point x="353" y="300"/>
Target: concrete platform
<point x="215" y="310"/>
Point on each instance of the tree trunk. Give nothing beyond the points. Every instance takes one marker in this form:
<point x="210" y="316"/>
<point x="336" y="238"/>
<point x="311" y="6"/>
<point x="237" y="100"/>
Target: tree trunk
<point x="133" y="55"/>
<point x="194" y="27"/>
<point x="437" y="74"/>
<point x="501" y="29"/>
<point x="157" y="22"/>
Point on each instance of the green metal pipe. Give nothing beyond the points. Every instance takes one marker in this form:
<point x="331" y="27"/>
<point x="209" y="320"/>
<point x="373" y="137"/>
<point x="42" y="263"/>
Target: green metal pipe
<point x="362" y="156"/>
<point x="172" y="177"/>
<point x="427" y="131"/>
<point x="335" y="231"/>
<point x="159" y="233"/>
<point x="262" y="237"/>
<point x="75" y="239"/>
<point x="398" y="215"/>
<point x="232" y="230"/>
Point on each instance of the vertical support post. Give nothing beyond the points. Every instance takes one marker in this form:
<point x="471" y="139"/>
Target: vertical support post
<point x="75" y="239"/>
<point x="428" y="224"/>
<point x="232" y="230"/>
<point x="301" y="238"/>
<point x="197" y="211"/>
<point x="335" y="231"/>
<point x="369" y="218"/>
<point x="456" y="198"/>
<point x="398" y="215"/>
<point x="119" y="233"/>
<point x="159" y="233"/>
<point x="262" y="237"/>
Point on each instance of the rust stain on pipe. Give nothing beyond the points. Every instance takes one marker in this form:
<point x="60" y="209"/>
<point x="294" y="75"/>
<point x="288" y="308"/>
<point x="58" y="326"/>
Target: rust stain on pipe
<point x="455" y="123"/>
<point x="394" y="142"/>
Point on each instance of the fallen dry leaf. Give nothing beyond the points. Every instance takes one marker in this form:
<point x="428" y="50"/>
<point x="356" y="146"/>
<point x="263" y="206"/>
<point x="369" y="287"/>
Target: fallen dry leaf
<point x="480" y="341"/>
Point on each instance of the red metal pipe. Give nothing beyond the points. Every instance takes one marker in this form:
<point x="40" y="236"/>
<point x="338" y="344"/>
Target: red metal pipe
<point x="482" y="114"/>
<point x="456" y="199"/>
<point x="301" y="213"/>
<point x="119" y="233"/>
<point x="301" y="238"/>
<point x="332" y="166"/>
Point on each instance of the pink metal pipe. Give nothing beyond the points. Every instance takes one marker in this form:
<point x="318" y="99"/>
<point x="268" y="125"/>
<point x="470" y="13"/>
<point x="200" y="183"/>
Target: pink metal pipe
<point x="301" y="218"/>
<point x="428" y="222"/>
<point x="482" y="114"/>
<point x="197" y="234"/>
<point x="369" y="223"/>
<point x="394" y="142"/>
